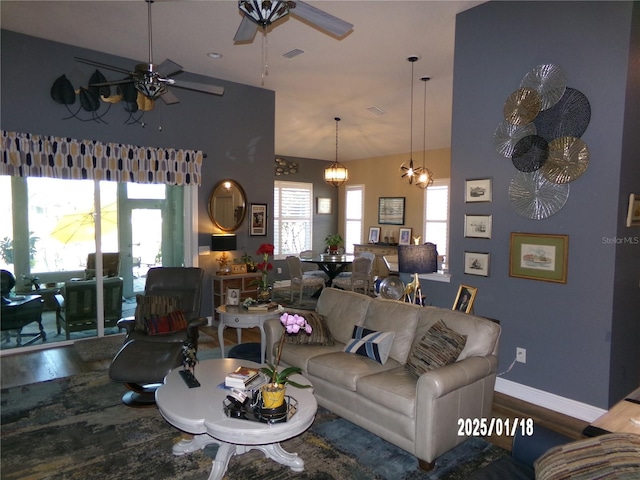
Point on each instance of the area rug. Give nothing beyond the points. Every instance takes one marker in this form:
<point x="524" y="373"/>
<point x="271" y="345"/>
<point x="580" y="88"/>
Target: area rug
<point x="95" y="349"/>
<point x="77" y="428"/>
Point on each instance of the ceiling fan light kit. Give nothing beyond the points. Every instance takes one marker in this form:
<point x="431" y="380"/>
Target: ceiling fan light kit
<point x="265" y="12"/>
<point x="336" y="174"/>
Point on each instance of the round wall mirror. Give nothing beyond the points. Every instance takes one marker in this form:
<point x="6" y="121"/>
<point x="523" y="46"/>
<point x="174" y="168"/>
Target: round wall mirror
<point x="227" y="205"/>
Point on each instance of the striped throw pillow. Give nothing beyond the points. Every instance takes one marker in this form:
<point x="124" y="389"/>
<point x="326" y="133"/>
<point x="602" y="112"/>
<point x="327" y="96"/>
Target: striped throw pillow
<point x="320" y="334"/>
<point x="165" y="324"/>
<point x="372" y="344"/>
<point x="147" y="305"/>
<point x="440" y="346"/>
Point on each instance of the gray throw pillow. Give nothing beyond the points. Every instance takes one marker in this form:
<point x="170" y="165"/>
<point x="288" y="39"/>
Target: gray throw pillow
<point x="440" y="346"/>
<point x="319" y="336"/>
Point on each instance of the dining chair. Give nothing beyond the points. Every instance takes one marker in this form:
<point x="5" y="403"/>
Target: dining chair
<point x="360" y="276"/>
<point x="298" y="279"/>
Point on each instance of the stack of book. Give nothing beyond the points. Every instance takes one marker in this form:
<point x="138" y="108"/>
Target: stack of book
<point x="263" y="307"/>
<point x="242" y="377"/>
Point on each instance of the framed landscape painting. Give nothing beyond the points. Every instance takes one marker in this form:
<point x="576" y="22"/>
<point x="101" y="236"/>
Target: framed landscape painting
<point x="478" y="190"/>
<point x="539" y="257"/>
<point x="391" y="210"/>
<point x="476" y="263"/>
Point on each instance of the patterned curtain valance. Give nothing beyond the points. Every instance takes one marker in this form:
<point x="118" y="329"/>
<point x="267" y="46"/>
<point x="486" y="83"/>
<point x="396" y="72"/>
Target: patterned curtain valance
<point x="29" y="155"/>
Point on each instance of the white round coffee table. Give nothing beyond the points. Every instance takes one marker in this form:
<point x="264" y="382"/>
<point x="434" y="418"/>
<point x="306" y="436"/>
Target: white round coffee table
<point x="199" y="411"/>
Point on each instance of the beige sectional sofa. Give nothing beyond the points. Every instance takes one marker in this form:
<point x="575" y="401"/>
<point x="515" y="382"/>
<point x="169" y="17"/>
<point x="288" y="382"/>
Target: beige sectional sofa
<point x="418" y="414"/>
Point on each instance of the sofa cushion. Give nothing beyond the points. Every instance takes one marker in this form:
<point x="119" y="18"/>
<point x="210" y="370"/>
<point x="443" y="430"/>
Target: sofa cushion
<point x="345" y="369"/>
<point x="147" y="305"/>
<point x="298" y="355"/>
<point x="372" y="344"/>
<point x="439" y="347"/>
<point x="393" y="316"/>
<point x="164" y="324"/>
<point x="394" y="389"/>
<point x="320" y="334"/>
<point x="342" y="310"/>
<point x="482" y="334"/>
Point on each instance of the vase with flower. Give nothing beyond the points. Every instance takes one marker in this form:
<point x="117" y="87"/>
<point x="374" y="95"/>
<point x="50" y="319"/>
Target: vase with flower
<point x="263" y="293"/>
<point x="273" y="392"/>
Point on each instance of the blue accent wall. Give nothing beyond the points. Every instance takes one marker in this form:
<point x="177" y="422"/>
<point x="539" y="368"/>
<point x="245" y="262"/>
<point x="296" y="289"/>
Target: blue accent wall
<point x="582" y="337"/>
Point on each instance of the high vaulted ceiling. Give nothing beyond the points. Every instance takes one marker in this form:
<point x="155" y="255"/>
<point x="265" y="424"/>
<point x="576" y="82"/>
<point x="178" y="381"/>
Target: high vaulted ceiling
<point x="333" y="77"/>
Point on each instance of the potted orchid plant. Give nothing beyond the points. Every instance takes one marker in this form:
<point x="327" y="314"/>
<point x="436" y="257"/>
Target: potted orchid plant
<point x="273" y="392"/>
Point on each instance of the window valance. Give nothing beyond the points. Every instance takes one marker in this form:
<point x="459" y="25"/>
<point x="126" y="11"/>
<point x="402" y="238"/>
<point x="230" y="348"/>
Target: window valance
<point x="30" y="155"/>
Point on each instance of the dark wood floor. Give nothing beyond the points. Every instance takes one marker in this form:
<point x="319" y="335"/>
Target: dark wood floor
<point x="31" y="367"/>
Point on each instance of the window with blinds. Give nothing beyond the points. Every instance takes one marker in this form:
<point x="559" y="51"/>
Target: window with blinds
<point x="292" y="218"/>
<point x="354" y="213"/>
<point x="436" y="224"/>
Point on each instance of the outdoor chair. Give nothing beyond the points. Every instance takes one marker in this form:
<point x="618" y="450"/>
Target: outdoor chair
<point x="78" y="305"/>
<point x="18" y="312"/>
<point x="110" y="265"/>
<point x="299" y="280"/>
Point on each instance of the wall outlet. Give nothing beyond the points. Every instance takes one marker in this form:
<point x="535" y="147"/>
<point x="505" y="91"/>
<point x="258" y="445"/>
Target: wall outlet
<point x="521" y="355"/>
<point x="279" y="270"/>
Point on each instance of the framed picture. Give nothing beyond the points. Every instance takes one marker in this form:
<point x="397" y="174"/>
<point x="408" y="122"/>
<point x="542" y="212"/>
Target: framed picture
<point x="374" y="235"/>
<point x="405" y="236"/>
<point x="633" y="214"/>
<point x="238" y="268"/>
<point x="539" y="257"/>
<point x="465" y="298"/>
<point x="476" y="263"/>
<point x="477" y="190"/>
<point x="233" y="296"/>
<point x="323" y="206"/>
<point x="258" y="223"/>
<point x="477" y="226"/>
<point x="391" y="210"/>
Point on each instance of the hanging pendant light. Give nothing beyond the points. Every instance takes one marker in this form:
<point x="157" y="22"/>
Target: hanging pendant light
<point x="425" y="177"/>
<point x="336" y="174"/>
<point x="409" y="171"/>
<point x="265" y="12"/>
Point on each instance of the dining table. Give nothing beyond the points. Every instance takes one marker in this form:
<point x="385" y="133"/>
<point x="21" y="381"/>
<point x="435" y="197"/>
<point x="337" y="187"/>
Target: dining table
<point x="332" y="265"/>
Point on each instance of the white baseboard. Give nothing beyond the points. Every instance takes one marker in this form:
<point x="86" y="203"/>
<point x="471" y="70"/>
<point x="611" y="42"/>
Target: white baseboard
<point x="566" y="406"/>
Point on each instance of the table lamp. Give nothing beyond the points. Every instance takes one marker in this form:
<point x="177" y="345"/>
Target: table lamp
<point x="415" y="259"/>
<point x="223" y="242"/>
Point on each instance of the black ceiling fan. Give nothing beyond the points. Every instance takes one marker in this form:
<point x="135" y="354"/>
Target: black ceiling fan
<point x="153" y="80"/>
<point x="262" y="13"/>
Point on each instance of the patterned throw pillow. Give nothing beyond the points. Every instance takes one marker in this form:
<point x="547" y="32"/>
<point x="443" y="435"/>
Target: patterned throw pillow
<point x="321" y="335"/>
<point x="372" y="344"/>
<point x="440" y="346"/>
<point x="148" y="305"/>
<point x="165" y="324"/>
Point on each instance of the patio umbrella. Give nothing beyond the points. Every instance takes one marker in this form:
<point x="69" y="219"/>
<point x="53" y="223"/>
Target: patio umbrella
<point x="80" y="227"/>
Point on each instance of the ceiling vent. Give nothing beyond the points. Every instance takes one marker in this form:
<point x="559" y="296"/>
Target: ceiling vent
<point x="376" y="111"/>
<point x="293" y="53"/>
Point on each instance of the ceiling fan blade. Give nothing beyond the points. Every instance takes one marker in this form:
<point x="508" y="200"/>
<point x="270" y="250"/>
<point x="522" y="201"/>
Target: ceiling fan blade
<point x="169" y="98"/>
<point x="246" y="31"/>
<point x="168" y="68"/>
<point x="198" y="87"/>
<point x="321" y="19"/>
<point x="103" y="65"/>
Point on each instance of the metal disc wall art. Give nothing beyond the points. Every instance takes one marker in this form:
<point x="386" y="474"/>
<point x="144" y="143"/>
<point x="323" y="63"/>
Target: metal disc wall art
<point x="507" y="135"/>
<point x="568" y="159"/>
<point x="568" y="118"/>
<point x="549" y="81"/>
<point x="533" y="196"/>
<point x="530" y="153"/>
<point x="285" y="167"/>
<point x="522" y="106"/>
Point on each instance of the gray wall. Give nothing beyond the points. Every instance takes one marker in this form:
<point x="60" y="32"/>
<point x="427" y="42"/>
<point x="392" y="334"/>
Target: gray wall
<point x="582" y="337"/>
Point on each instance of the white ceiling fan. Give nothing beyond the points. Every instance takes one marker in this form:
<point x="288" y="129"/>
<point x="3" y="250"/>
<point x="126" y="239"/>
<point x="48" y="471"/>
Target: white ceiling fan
<point x="153" y="80"/>
<point x="262" y="13"/>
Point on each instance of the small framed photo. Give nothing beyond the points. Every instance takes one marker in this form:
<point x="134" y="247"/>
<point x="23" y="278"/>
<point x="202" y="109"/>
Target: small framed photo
<point x="405" y="236"/>
<point x="323" y="206"/>
<point x="465" y="298"/>
<point x="233" y="296"/>
<point x="238" y="268"/>
<point x="477" y="226"/>
<point x="539" y="257"/>
<point x="633" y="214"/>
<point x="258" y="223"/>
<point x="374" y="235"/>
<point x="476" y="263"/>
<point x="477" y="190"/>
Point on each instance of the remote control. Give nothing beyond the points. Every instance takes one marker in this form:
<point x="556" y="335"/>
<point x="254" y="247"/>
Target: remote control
<point x="189" y="379"/>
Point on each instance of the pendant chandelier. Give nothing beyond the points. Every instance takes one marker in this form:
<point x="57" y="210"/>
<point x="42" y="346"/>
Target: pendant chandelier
<point x="336" y="174"/>
<point x="425" y="177"/>
<point x="408" y="171"/>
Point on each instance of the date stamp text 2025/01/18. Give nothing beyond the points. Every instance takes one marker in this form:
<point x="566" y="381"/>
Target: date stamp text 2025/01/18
<point x="486" y="427"/>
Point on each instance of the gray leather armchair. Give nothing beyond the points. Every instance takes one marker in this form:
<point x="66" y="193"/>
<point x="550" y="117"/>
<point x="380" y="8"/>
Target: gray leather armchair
<point x="144" y="360"/>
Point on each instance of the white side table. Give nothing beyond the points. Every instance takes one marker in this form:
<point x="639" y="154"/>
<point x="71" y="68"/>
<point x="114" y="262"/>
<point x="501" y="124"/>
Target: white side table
<point x="238" y="317"/>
